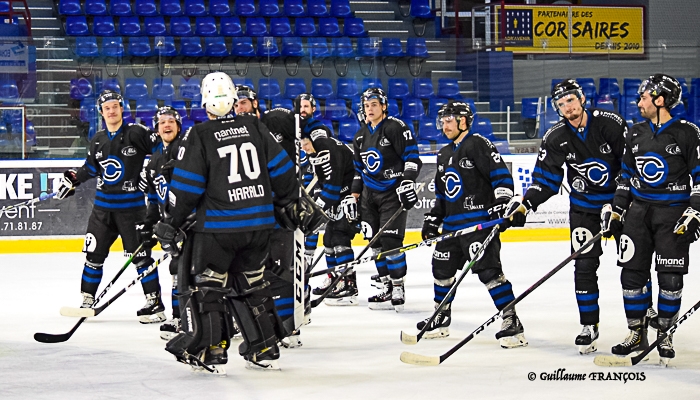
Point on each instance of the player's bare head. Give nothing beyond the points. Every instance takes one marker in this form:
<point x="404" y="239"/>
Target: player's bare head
<point x="218" y="94"/>
<point x="568" y="99"/>
<point x="305" y="105"/>
<point x="168" y="123"/>
<point x="247" y="100"/>
<point x="307" y="145"/>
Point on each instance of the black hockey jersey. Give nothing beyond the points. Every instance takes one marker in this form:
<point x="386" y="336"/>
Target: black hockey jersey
<point x="116" y="160"/>
<point x="469" y="178"/>
<point x="592" y="156"/>
<point x="661" y="165"/>
<point x="158" y="180"/>
<point x="333" y="165"/>
<point x="384" y="156"/>
<point x="230" y="169"/>
<point x="281" y="124"/>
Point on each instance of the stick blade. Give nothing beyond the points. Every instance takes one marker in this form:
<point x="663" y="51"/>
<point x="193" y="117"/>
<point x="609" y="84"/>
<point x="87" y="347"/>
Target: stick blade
<point x="417" y="359"/>
<point x="49" y="338"/>
<point x="77" y="312"/>
<point x="407" y="338"/>
<point x="604" y="360"/>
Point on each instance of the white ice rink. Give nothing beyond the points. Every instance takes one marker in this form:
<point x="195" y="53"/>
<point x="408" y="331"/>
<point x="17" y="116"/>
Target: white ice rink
<point x="348" y="352"/>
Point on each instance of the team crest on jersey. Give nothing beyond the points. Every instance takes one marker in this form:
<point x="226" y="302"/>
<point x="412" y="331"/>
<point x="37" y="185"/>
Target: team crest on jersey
<point x="605" y="149"/>
<point x="579" y="184"/>
<point x="652" y="168"/>
<point x="129" y="151"/>
<point x="112" y="170"/>
<point x="542" y="155"/>
<point x="466" y="163"/>
<point x="372" y="158"/>
<point x="161" y="187"/>
<point x="453" y="184"/>
<point x="595" y="171"/>
<point x="673" y="149"/>
<point x="384" y="142"/>
<point x="579" y="237"/>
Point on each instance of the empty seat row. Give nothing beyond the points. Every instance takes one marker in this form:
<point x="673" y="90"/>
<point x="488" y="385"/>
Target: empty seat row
<point x="198" y="8"/>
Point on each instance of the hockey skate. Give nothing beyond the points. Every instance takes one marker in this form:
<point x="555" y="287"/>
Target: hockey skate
<point x="635" y="342"/>
<point x="398" y="295"/>
<point x="666" y="351"/>
<point x="653" y="318"/>
<point x="265" y="360"/>
<point x="292" y="341"/>
<point x="382" y="301"/>
<point x="324" y="286"/>
<point x="376" y="282"/>
<point x="153" y="311"/>
<point x="512" y="333"/>
<point x="169" y="329"/>
<point x="307" y="305"/>
<point x="211" y="360"/>
<point x="440" y="327"/>
<point x="587" y="340"/>
<point x="345" y="293"/>
<point x="88" y="300"/>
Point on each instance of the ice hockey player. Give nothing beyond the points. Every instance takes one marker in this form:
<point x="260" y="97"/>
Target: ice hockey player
<point x="332" y="163"/>
<point x="115" y="158"/>
<point x="239" y="180"/>
<point x="589" y="142"/>
<point x="472" y="186"/>
<point x="657" y="210"/>
<point x="155" y="180"/>
<point x="386" y="167"/>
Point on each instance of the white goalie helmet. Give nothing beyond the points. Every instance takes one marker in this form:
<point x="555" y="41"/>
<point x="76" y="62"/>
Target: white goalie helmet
<point x="218" y="93"/>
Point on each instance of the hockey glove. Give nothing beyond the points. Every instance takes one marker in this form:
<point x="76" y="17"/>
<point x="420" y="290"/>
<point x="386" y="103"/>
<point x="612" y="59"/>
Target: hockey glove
<point x="309" y="256"/>
<point x="688" y="226"/>
<point x="516" y="211"/>
<point x="349" y="207"/>
<point x="431" y="224"/>
<point x="611" y="221"/>
<point x="497" y="211"/>
<point x="143" y="181"/>
<point x="167" y="236"/>
<point x="407" y="194"/>
<point x="68" y="184"/>
<point x="145" y="231"/>
<point x="303" y="214"/>
<point x="322" y="160"/>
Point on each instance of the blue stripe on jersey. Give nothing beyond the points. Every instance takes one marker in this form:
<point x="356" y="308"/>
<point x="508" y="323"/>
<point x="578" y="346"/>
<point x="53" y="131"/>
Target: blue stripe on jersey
<point x="278" y="159"/>
<point x="132" y="204"/>
<point x="284" y="300"/>
<point x="91" y="170"/>
<point x="583" y="203"/>
<point x="277" y="171"/>
<point x="501" y="182"/>
<point x="553" y="187"/>
<point x="126" y="196"/>
<point x="439" y="196"/>
<point x="548" y="175"/>
<point x="499" y="171"/>
<point x="377" y="185"/>
<point x="330" y="196"/>
<point x="188" y="175"/>
<point x="469" y="215"/>
<point x="682" y="197"/>
<point x="247" y="223"/>
<point x="239" y="212"/>
<point x="186" y="188"/>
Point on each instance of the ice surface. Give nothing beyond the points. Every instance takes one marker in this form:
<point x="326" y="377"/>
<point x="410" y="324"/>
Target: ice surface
<point x="348" y="352"/>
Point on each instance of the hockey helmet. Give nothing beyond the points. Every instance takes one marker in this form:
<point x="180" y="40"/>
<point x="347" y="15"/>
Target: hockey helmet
<point x="218" y="93"/>
<point x="167" y="110"/>
<point x="304" y="96"/>
<point x="246" y="92"/>
<point x="455" y="109"/>
<point x="106" y="96"/>
<point x="369" y="94"/>
<point x="662" y="85"/>
<point x="565" y="88"/>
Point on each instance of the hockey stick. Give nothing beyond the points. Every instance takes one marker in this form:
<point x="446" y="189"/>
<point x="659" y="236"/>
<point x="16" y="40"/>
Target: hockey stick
<point x="407" y="338"/>
<point x="315" y="302"/>
<point x="93" y="312"/>
<point x="57" y="338"/>
<point x="605" y="360"/>
<point x="42" y="197"/>
<point x="299" y="267"/>
<point x="417" y="359"/>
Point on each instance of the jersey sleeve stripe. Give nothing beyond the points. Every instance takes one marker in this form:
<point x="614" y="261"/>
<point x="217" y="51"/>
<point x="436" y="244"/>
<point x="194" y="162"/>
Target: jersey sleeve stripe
<point x="248" y="223"/>
<point x="277" y="171"/>
<point x="242" y="211"/>
<point x="186" y="188"/>
<point x="188" y="175"/>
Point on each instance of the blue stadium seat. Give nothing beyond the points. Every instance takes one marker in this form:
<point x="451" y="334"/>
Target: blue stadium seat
<point x="195" y="8"/>
<point x="255" y="26"/>
<point x="268" y="88"/>
<point x="215" y="47"/>
<point x="171" y="8"/>
<point x="96" y="7"/>
<point x="146" y="109"/>
<point x="231" y="26"/>
<point x="435" y="104"/>
<point x="421" y="9"/>
<point x="190" y="89"/>
<point x="111" y="84"/>
<point x="329" y="27"/>
<point x="367" y="47"/>
<point x="113" y="47"/>
<point x="694" y="87"/>
<point x="529" y="108"/>
<point x="243" y="47"/>
<point x="630" y="86"/>
<point x="69" y="7"/>
<point x="423" y="88"/>
<point x="412" y="108"/>
<point x="191" y="47"/>
<point x="280" y="26"/>
<point x="205" y="26"/>
<point x="630" y="111"/>
<point x="448" y="88"/>
<point x="293" y="87"/>
<point x="391" y="47"/>
<point x="163" y="89"/>
<point x="181" y="26"/>
<point x="305" y="27"/>
<point x="347" y="128"/>
<point x="279" y="102"/>
<point x="318" y="48"/>
<point x="180" y="106"/>
<point x="220" y="8"/>
<point x="679" y="111"/>
<point x="392" y="108"/>
<point x="354" y="27"/>
<point x="127" y="117"/>
<point x="80" y="89"/>
<point x="294" y="8"/>
<point x="197" y="113"/>
<point x="347" y="88"/>
<point x="268" y="48"/>
<point x="610" y="88"/>
<point x="341" y="8"/>
<point x="155" y="26"/>
<point x="86" y="46"/>
<point x="342" y="47"/>
<point x="482" y="126"/>
<point x="140" y="47"/>
<point x="88" y="111"/>
<point x="145" y="8"/>
<point x="269" y="8"/>
<point x="103" y="26"/>
<point x="30" y="132"/>
<point x="427" y="132"/>
<point x="262" y="106"/>
<point x="120" y="8"/>
<point x="416" y="47"/>
<point x="130" y="26"/>
<point x="589" y="89"/>
<point x="371" y="82"/>
<point x="316" y="8"/>
<point x="336" y="109"/>
<point x="186" y="124"/>
<point x="245" y="8"/>
<point x="166" y="48"/>
<point x="292" y="47"/>
<point x="684" y="88"/>
<point x="398" y="88"/>
<point x="694" y="108"/>
<point x="244" y="81"/>
<point x="548" y="119"/>
<point x="135" y="89"/>
<point x="321" y="88"/>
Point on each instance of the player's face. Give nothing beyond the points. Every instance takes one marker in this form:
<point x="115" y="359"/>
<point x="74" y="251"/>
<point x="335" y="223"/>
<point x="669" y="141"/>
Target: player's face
<point x="244" y="106"/>
<point x="112" y="112"/>
<point x="450" y="127"/>
<point x="305" y="109"/>
<point x="167" y="128"/>
<point x="647" y="109"/>
<point x="308" y="146"/>
<point x="374" y="110"/>
<point x="570" y="106"/>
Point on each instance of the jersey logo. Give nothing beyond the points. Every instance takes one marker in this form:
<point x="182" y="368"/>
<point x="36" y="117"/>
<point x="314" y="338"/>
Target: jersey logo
<point x="673" y="149"/>
<point x="626" y="250"/>
<point x="652" y="168"/>
<point x="129" y="151"/>
<point x="453" y="184"/>
<point x="542" y="155"/>
<point x="579" y="237"/>
<point x="605" y="149"/>
<point x="112" y="170"/>
<point x="466" y="163"/>
<point x="161" y="187"/>
<point x="595" y="171"/>
<point x="90" y="243"/>
<point x="372" y="158"/>
<point x="384" y="142"/>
